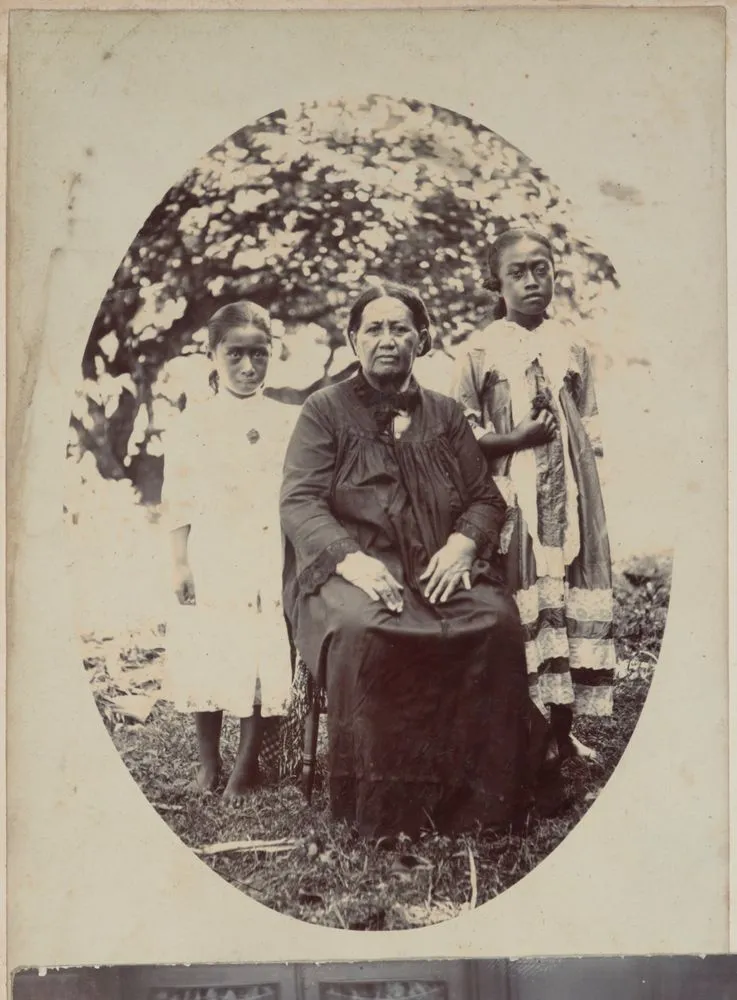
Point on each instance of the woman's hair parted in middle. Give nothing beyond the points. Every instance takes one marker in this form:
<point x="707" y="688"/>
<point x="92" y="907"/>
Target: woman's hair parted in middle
<point x="228" y="317"/>
<point x="494" y="257"/>
<point x="393" y="290"/>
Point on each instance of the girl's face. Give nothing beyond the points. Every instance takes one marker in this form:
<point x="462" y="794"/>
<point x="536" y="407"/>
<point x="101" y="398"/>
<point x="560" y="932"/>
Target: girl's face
<point x="241" y="359"/>
<point x="386" y="341"/>
<point x="526" y="275"/>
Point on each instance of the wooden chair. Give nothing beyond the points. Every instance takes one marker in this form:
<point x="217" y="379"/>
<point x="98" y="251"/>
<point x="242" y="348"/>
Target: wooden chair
<point x="309" y="748"/>
<point x="312" y="702"/>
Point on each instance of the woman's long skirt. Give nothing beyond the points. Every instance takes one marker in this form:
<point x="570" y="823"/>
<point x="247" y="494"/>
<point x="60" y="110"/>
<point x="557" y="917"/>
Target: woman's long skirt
<point x="430" y="723"/>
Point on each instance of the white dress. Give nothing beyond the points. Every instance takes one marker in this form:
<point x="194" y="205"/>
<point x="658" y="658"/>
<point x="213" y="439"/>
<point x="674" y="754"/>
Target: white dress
<point x="222" y="474"/>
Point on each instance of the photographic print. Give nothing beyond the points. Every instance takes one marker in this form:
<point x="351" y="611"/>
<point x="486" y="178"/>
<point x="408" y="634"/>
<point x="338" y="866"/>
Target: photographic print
<point x="382" y="699"/>
<point x="366" y="489"/>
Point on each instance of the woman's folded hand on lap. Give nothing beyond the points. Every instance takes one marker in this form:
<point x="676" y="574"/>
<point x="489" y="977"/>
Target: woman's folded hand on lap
<point x="373" y="578"/>
<point x="449" y="567"/>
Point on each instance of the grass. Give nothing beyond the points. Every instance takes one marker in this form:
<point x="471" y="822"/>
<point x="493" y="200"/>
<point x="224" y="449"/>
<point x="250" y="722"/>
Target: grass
<point x="335" y="878"/>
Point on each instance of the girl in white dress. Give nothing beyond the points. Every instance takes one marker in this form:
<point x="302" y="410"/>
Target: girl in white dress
<point x="227" y="641"/>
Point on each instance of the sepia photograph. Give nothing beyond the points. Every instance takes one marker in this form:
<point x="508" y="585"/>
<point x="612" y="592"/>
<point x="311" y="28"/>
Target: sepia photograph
<point x="367" y="502"/>
<point x="375" y="653"/>
<point x="668" y="977"/>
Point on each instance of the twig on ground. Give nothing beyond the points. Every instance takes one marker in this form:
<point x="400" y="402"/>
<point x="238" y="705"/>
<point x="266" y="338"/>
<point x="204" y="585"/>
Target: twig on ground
<point x="430" y="887"/>
<point x="167" y="808"/>
<point x="474" y="881"/>
<point x="268" y="846"/>
<point x="644" y="652"/>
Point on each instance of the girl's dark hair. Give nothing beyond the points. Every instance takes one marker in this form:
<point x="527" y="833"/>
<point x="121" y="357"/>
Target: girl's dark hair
<point x="235" y="314"/>
<point x="392" y="290"/>
<point x="497" y="248"/>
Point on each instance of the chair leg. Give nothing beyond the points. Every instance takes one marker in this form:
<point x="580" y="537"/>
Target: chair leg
<point x="309" y="752"/>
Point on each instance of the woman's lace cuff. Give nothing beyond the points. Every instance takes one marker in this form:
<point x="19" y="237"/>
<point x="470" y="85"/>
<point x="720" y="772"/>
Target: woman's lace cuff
<point x="322" y="568"/>
<point x="465" y="526"/>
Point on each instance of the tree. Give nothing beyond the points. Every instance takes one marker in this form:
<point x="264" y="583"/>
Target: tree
<point x="296" y="212"/>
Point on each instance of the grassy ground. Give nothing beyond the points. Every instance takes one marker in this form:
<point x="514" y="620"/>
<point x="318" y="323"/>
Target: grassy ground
<point x="329" y="875"/>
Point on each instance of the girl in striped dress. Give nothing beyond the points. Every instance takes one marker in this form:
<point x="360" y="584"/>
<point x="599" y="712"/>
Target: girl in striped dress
<point x="526" y="386"/>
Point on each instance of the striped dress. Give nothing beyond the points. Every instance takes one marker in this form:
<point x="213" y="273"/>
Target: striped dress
<point x="554" y="542"/>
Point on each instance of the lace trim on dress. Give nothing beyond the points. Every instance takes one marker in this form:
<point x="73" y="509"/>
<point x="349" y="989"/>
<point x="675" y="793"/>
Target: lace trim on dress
<point x="589" y="605"/>
<point x="315" y="575"/>
<point x="580" y="605"/>
<point x="513" y="347"/>
<point x="527" y="605"/>
<point x="548" y="592"/>
<point x="555" y="689"/>
<point x="592" y="654"/>
<point x="548" y="644"/>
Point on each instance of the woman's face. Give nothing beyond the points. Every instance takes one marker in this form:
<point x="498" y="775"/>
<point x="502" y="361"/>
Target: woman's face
<point x="242" y="358"/>
<point x="387" y="341"/>
<point x="526" y="276"/>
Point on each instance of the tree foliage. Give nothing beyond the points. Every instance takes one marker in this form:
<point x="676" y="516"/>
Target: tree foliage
<point x="297" y="212"/>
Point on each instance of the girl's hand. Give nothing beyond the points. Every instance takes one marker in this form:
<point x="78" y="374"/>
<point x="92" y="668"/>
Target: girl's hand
<point x="184" y="583"/>
<point x="533" y="431"/>
<point x="373" y="578"/>
<point x="449" y="567"/>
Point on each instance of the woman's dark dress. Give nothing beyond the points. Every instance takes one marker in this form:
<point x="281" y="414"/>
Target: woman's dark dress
<point x="429" y="717"/>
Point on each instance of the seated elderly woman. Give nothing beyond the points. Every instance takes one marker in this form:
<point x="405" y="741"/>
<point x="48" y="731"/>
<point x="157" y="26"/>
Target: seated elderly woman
<point x="395" y="599"/>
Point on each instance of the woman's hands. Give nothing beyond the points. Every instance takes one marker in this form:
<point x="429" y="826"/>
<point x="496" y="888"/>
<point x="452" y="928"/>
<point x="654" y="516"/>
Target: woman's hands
<point x="373" y="578"/>
<point x="535" y="430"/>
<point x="449" y="567"/>
<point x="183" y="583"/>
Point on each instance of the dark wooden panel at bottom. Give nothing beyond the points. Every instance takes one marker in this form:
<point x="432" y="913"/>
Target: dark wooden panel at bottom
<point x="68" y="984"/>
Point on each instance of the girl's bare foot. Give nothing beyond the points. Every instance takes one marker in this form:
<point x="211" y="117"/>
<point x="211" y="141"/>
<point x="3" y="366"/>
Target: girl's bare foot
<point x="242" y="781"/>
<point x="245" y="775"/>
<point x="208" y="776"/>
<point x="208" y="726"/>
<point x="561" y="719"/>
<point x="581" y="750"/>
